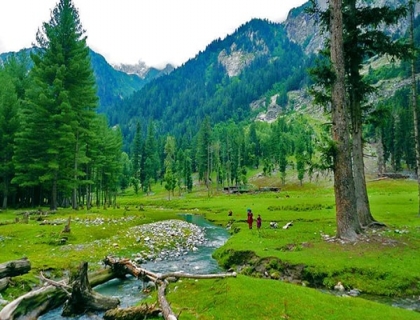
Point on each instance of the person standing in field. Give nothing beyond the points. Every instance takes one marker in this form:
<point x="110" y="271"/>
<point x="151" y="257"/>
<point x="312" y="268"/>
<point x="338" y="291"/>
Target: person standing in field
<point x="259" y="221"/>
<point x="250" y="218"/>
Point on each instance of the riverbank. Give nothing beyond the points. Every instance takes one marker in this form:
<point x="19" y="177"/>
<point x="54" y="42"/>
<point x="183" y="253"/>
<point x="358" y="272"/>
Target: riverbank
<point x="386" y="266"/>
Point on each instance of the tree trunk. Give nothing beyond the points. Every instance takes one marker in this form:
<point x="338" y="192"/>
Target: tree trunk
<point x="39" y="301"/>
<point x="5" y="192"/>
<point x="362" y="200"/>
<point x="414" y="101"/>
<point x="33" y="304"/>
<point x="53" y="204"/>
<point x="15" y="268"/>
<point x="83" y="298"/>
<point x="167" y="312"/>
<point x="346" y="215"/>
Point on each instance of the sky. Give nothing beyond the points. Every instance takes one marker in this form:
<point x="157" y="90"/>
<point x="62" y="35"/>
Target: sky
<point x="156" y="32"/>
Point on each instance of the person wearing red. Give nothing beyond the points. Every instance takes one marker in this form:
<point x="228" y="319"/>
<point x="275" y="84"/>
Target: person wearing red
<point x="250" y="218"/>
<point x="259" y="222"/>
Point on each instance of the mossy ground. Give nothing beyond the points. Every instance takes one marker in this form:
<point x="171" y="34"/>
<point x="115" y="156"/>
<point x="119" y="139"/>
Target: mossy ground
<point x="384" y="262"/>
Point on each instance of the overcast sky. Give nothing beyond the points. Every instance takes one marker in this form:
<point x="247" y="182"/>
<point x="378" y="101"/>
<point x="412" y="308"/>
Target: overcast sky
<point x="154" y="31"/>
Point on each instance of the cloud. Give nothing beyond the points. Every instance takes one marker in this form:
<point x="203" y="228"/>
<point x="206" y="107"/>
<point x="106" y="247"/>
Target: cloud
<point x="154" y="31"/>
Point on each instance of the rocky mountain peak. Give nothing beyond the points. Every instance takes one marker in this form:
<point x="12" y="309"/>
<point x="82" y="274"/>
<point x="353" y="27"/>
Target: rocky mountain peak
<point x="141" y="69"/>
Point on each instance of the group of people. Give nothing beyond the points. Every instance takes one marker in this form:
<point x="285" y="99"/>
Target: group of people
<point x="250" y="219"/>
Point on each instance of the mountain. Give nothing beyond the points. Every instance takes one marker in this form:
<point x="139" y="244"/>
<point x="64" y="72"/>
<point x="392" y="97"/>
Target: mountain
<point x="142" y="70"/>
<point x="224" y="82"/>
<point x="113" y="85"/>
<point x="303" y="28"/>
<point x="256" y="72"/>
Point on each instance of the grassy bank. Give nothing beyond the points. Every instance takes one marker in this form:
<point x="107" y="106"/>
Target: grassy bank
<point x="384" y="262"/>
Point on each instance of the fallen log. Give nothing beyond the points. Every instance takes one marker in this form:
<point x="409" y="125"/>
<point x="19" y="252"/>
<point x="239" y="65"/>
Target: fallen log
<point x="15" y="268"/>
<point x="4" y="283"/>
<point x="33" y="304"/>
<point x="125" y="265"/>
<point x="168" y="314"/>
<point x="83" y="299"/>
<point x="144" y="311"/>
<point x="39" y="301"/>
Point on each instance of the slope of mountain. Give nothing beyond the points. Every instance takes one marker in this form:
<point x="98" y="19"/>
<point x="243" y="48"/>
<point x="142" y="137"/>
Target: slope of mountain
<point x="113" y="85"/>
<point x="258" y="71"/>
<point x="256" y="62"/>
<point x="255" y="73"/>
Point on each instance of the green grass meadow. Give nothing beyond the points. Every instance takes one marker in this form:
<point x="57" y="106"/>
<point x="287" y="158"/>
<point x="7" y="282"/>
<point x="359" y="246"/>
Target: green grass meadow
<point x="385" y="261"/>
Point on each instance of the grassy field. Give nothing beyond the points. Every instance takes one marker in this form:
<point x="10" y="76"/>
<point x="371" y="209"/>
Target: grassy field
<point x="384" y="262"/>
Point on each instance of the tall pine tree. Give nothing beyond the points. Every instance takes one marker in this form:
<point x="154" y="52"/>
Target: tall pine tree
<point x="59" y="108"/>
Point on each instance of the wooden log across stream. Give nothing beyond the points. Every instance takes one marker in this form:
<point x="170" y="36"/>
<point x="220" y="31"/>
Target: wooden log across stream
<point x="77" y="294"/>
<point x="127" y="266"/>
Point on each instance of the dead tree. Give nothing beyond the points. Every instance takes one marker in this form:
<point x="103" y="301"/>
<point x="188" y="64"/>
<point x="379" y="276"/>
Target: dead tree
<point x="67" y="226"/>
<point x="83" y="299"/>
<point x="48" y="297"/>
<point x="127" y="266"/>
<point x="15" y="268"/>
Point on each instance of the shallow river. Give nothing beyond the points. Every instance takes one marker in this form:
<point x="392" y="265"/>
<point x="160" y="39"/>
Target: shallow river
<point x="200" y="261"/>
<point x="129" y="291"/>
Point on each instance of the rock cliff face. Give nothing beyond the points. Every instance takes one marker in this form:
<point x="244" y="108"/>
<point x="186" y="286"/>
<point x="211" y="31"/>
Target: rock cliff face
<point x="303" y="28"/>
<point x="234" y="61"/>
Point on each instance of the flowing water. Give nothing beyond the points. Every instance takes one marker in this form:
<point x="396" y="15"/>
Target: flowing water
<point x="129" y="290"/>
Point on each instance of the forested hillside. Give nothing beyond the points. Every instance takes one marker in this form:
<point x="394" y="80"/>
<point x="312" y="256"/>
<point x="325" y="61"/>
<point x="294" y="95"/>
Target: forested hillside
<point x="257" y="61"/>
<point x="198" y="121"/>
<point x="112" y="85"/>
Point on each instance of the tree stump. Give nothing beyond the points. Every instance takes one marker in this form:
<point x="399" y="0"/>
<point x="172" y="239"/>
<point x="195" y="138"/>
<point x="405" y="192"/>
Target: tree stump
<point x="83" y="299"/>
<point x="67" y="226"/>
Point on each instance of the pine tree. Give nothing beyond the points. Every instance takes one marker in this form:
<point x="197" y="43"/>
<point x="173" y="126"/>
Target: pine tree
<point x="59" y="108"/>
<point x="414" y="98"/>
<point x="8" y="127"/>
<point x="169" y="163"/>
<point x="16" y="69"/>
<point x="362" y="37"/>
<point x="136" y="152"/>
<point x="203" y="151"/>
<point x="346" y="215"/>
<point x="150" y="160"/>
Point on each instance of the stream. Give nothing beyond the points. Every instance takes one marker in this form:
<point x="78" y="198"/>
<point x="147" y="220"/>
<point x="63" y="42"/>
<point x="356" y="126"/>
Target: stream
<point x="199" y="261"/>
<point x="129" y="290"/>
